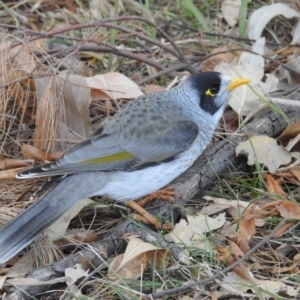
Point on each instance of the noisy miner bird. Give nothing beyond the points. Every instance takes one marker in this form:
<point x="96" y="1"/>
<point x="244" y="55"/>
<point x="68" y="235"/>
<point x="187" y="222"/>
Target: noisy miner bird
<point x="146" y="145"/>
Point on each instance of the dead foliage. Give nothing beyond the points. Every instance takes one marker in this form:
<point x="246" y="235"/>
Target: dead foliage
<point x="66" y="68"/>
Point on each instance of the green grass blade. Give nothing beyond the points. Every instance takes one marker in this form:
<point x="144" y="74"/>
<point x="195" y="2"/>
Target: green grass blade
<point x="243" y="18"/>
<point x="192" y="9"/>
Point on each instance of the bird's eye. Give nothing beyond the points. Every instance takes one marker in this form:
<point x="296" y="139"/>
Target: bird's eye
<point x="213" y="91"/>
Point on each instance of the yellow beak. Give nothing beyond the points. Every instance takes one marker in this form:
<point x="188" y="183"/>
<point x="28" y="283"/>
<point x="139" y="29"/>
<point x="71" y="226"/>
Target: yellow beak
<point x="237" y="82"/>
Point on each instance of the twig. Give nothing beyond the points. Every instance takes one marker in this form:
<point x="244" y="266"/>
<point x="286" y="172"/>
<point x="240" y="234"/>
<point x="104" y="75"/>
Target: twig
<point x="145" y="38"/>
<point x="235" y="38"/>
<point x="286" y="102"/>
<point x="162" y="72"/>
<point x="124" y="53"/>
<point x="104" y="22"/>
<point x="104" y="47"/>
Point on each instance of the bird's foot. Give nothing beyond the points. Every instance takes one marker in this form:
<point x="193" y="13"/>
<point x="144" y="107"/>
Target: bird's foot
<point x="167" y="193"/>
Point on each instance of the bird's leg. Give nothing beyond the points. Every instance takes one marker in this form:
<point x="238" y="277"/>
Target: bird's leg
<point x="143" y="216"/>
<point x="167" y="193"/>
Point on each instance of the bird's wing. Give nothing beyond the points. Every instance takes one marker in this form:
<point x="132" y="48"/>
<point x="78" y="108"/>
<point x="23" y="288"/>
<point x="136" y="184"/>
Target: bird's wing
<point x="159" y="142"/>
<point x="124" y="149"/>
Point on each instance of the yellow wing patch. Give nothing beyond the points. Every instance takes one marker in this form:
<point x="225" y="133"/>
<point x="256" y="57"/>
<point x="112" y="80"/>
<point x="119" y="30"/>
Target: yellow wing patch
<point x="108" y="159"/>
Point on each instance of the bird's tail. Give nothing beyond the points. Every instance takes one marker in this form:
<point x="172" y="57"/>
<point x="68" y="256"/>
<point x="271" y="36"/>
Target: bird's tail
<point x="24" y="228"/>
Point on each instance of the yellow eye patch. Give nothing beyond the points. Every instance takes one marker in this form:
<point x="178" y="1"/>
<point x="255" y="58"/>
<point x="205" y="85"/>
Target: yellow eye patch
<point x="210" y="93"/>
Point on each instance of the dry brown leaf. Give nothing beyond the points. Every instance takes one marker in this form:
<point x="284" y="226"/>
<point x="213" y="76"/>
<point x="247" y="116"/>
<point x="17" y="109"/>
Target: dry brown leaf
<point x="215" y="208"/>
<point x="86" y="237"/>
<point x="293" y="268"/>
<point x="98" y="95"/>
<point x="23" y="266"/>
<point x="246" y="229"/>
<point x="73" y="274"/>
<point x="233" y="207"/>
<point x="266" y="212"/>
<point x="37" y="154"/>
<point x="241" y="270"/>
<point x="264" y="150"/>
<point x="235" y="250"/>
<point x="132" y="263"/>
<point x="286" y="209"/>
<point x="72" y="237"/>
<point x="230" y="11"/>
<point x="130" y="270"/>
<point x="224" y="254"/>
<point x="289" y="210"/>
<point x="63" y="114"/>
<point x="289" y="50"/>
<point x="230" y="120"/>
<point x="3" y="270"/>
<point x="287" y="178"/>
<point x="296" y="172"/>
<point x="192" y="233"/>
<point x="34" y="153"/>
<point x="234" y="284"/>
<point x="24" y="282"/>
<point x="286" y="175"/>
<point x="29" y="151"/>
<point x="8" y="163"/>
<point x="276" y="287"/>
<point x="290" y="132"/>
<point x="230" y="254"/>
<point x="113" y="85"/>
<point x="58" y="229"/>
<point x="273" y="186"/>
<point x="213" y="295"/>
<point x="153" y="88"/>
<point x="10" y="174"/>
<point x="283" y="229"/>
<point x="57" y="154"/>
<point x="297" y="257"/>
<point x="257" y="266"/>
<point x="271" y="205"/>
<point x="2" y="280"/>
<point x="287" y="77"/>
<point x="294" y="147"/>
<point x="210" y="63"/>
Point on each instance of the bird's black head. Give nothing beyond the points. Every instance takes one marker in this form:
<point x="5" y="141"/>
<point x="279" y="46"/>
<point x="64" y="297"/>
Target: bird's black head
<point x="211" y="88"/>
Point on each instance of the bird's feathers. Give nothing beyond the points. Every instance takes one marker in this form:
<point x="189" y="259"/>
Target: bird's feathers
<point x="121" y="148"/>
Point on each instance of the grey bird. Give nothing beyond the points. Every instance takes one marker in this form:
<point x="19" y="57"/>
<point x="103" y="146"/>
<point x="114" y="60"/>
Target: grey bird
<point x="146" y="145"/>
